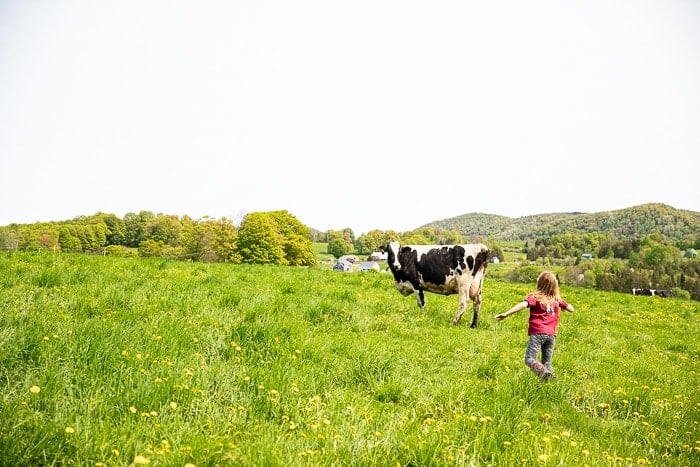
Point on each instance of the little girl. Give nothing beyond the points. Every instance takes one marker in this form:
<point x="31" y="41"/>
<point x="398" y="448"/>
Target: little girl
<point x="544" y="304"/>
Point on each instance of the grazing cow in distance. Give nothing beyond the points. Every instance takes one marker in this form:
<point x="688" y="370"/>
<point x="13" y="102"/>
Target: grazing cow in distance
<point x="652" y="292"/>
<point x="440" y="269"/>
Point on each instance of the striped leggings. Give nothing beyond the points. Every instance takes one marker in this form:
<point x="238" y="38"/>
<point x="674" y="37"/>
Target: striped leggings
<point x="543" y="343"/>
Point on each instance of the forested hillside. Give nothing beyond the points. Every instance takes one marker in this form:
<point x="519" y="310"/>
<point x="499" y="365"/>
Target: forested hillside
<point x="634" y="222"/>
<point x="652" y="245"/>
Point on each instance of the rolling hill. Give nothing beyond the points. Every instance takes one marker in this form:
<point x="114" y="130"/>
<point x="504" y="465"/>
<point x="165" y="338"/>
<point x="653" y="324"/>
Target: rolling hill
<point x="636" y="222"/>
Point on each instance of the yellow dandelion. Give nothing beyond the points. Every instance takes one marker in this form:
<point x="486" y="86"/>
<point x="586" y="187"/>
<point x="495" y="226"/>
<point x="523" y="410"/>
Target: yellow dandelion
<point x="507" y="443"/>
<point x="133" y="409"/>
<point x="173" y="405"/>
<point x="35" y="389"/>
<point x="189" y="464"/>
<point x="141" y="460"/>
<point x="70" y="430"/>
<point x="543" y="457"/>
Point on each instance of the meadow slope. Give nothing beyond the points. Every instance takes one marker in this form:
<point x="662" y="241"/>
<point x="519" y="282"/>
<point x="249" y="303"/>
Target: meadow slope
<point x="127" y="361"/>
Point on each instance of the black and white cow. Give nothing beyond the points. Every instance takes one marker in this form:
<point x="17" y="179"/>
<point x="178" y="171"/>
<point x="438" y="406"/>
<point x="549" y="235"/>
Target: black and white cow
<point x="441" y="269"/>
<point x="652" y="292"/>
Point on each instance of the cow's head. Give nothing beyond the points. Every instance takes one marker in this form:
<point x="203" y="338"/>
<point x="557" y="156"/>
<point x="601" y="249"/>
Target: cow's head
<point x="392" y="255"/>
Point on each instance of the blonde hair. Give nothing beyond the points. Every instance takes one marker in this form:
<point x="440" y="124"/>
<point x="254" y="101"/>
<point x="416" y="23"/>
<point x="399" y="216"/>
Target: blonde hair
<point x="547" y="288"/>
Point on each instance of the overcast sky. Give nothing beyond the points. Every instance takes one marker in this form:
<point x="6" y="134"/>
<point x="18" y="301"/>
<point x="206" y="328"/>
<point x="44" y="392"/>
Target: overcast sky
<point x="363" y="114"/>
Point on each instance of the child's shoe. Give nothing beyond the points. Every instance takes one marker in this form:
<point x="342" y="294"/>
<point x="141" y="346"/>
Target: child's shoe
<point x="538" y="369"/>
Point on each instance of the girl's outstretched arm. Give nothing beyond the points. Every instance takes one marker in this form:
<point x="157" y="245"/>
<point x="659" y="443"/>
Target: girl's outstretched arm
<point x="520" y="306"/>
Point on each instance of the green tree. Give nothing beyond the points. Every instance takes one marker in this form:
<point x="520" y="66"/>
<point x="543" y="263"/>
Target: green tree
<point x="163" y="228"/>
<point x="135" y="225"/>
<point x="371" y="241"/>
<point x="338" y="245"/>
<point x="258" y="240"/>
<point x="298" y="249"/>
<point x="226" y="241"/>
<point x="67" y="240"/>
<point x="116" y="230"/>
<point x="151" y="248"/>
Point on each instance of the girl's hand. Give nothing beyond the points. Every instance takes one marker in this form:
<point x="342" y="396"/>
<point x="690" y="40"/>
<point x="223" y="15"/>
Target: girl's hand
<point x="501" y="316"/>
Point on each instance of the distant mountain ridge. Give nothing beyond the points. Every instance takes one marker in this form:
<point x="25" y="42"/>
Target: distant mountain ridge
<point x="635" y="222"/>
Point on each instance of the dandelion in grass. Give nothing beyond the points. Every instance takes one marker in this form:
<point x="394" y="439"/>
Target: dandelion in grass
<point x="141" y="460"/>
<point x="133" y="409"/>
<point x="35" y="389"/>
<point x="173" y="405"/>
<point x="70" y="430"/>
<point x="189" y="465"/>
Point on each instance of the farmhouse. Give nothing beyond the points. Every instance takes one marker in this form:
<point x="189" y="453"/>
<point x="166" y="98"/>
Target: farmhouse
<point x="377" y="256"/>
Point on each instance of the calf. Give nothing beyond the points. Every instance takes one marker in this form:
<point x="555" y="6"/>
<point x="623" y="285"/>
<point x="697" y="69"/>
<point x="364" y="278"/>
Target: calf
<point x="441" y="269"/>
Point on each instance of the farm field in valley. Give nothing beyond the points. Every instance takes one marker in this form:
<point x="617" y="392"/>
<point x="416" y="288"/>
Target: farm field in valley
<point x="130" y="361"/>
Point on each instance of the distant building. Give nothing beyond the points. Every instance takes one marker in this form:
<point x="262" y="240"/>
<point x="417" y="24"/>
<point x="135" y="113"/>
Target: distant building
<point x="369" y="266"/>
<point x="342" y="265"/>
<point x="587" y="256"/>
<point x="377" y="256"/>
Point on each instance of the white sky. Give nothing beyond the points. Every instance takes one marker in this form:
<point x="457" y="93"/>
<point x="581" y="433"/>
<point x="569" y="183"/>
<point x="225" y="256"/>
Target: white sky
<point x="363" y="114"/>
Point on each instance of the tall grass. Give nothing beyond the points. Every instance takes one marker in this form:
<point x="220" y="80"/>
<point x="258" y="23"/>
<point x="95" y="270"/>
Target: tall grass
<point x="118" y="361"/>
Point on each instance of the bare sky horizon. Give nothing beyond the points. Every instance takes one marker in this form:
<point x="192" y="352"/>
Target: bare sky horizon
<point x="370" y="115"/>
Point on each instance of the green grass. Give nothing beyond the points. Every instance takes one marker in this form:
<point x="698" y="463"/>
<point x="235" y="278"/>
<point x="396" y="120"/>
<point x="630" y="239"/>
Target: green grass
<point x="216" y="364"/>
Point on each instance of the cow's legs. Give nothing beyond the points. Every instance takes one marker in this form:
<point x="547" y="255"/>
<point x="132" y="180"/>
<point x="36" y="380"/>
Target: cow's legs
<point x="463" y="300"/>
<point x="420" y="299"/>
<point x="477" y="307"/>
<point x="475" y="294"/>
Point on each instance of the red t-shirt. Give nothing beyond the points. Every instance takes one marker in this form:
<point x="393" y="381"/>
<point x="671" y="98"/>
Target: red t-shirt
<point x="544" y="319"/>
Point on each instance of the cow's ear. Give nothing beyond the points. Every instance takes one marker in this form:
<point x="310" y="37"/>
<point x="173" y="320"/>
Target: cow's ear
<point x="383" y="248"/>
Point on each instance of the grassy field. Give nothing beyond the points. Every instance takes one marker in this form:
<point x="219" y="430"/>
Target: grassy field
<point x="117" y="362"/>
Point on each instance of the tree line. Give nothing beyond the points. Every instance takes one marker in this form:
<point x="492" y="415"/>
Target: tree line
<point x="275" y="237"/>
<point x="278" y="237"/>
<point x="620" y="264"/>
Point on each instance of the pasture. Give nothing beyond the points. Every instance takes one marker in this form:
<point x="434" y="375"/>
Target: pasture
<point x="128" y="361"/>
